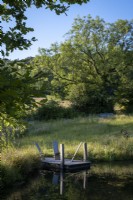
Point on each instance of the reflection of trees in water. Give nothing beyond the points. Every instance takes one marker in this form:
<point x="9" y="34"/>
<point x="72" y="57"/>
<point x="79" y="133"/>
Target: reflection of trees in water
<point x="105" y="184"/>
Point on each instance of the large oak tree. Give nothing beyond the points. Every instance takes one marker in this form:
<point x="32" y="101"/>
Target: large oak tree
<point x="94" y="65"/>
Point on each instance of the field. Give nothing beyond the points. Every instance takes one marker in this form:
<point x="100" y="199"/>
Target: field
<point x="104" y="136"/>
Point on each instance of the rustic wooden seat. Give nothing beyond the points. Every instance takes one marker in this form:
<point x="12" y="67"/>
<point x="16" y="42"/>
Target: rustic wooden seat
<point x="40" y="151"/>
<point x="56" y="150"/>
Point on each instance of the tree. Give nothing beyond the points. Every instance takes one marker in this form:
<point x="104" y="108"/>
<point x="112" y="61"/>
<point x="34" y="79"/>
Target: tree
<point x="17" y="89"/>
<point x="15" y="11"/>
<point x="103" y="49"/>
<point x="93" y="62"/>
<point x="18" y="79"/>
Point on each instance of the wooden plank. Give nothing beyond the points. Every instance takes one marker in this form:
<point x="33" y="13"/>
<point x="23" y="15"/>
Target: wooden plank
<point x="53" y="166"/>
<point x="51" y="163"/>
<point x="66" y="161"/>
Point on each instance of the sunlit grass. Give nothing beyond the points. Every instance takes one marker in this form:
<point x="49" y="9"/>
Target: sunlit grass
<point x="103" y="136"/>
<point x="123" y="170"/>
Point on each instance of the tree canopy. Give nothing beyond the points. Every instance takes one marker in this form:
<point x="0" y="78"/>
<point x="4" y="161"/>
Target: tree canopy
<point x="93" y="67"/>
<point x="14" y="11"/>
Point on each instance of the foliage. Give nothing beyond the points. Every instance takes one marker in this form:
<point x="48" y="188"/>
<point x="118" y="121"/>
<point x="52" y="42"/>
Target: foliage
<point x="93" y="67"/>
<point x="17" y="90"/>
<point x="18" y="167"/>
<point x="14" y="11"/>
<point x="52" y="110"/>
<point x="18" y="80"/>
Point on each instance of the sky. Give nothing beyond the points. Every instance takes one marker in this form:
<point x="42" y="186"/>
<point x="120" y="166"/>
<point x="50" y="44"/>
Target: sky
<point x="50" y="28"/>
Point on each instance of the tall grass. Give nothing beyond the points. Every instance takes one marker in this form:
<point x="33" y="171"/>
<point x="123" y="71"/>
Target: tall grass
<point x="103" y="136"/>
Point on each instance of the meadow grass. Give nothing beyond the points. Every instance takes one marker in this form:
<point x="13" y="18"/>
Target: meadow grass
<point x="113" y="169"/>
<point x="103" y="136"/>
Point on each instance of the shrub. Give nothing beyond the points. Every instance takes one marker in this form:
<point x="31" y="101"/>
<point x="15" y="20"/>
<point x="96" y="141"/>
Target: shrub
<point x="52" y="110"/>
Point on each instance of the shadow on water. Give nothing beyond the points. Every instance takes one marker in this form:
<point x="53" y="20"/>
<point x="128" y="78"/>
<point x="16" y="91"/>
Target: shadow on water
<point x="101" y="182"/>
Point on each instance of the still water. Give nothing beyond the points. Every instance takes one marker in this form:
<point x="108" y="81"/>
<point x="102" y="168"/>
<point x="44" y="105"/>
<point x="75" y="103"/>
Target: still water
<point x="101" y="182"/>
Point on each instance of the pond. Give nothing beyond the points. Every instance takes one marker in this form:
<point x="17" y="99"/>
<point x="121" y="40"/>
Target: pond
<point x="101" y="182"/>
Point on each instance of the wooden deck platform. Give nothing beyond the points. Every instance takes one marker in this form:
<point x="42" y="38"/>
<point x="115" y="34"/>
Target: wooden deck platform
<point x="69" y="165"/>
<point x="60" y="163"/>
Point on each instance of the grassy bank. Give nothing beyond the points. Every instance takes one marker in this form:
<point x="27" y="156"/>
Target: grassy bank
<point x="103" y="136"/>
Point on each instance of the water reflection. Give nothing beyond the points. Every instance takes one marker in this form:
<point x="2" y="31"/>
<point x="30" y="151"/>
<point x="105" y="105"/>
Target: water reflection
<point x="60" y="178"/>
<point x="101" y="182"/>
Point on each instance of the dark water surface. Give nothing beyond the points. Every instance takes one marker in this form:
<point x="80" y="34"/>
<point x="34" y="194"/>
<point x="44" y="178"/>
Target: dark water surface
<point x="101" y="182"/>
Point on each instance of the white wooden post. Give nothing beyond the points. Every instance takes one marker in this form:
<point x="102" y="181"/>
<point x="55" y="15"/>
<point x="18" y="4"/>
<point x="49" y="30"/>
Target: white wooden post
<point x="85" y="151"/>
<point x="62" y="156"/>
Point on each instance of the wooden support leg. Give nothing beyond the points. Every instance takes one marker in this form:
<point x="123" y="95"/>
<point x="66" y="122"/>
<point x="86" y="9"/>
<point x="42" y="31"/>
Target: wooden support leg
<point x="85" y="151"/>
<point x="62" y="155"/>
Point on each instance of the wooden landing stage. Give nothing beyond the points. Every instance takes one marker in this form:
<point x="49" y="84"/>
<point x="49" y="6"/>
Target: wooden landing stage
<point x="69" y="165"/>
<point x="59" y="162"/>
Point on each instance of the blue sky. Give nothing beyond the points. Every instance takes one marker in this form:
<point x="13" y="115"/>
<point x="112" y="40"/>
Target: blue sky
<point x="50" y="28"/>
